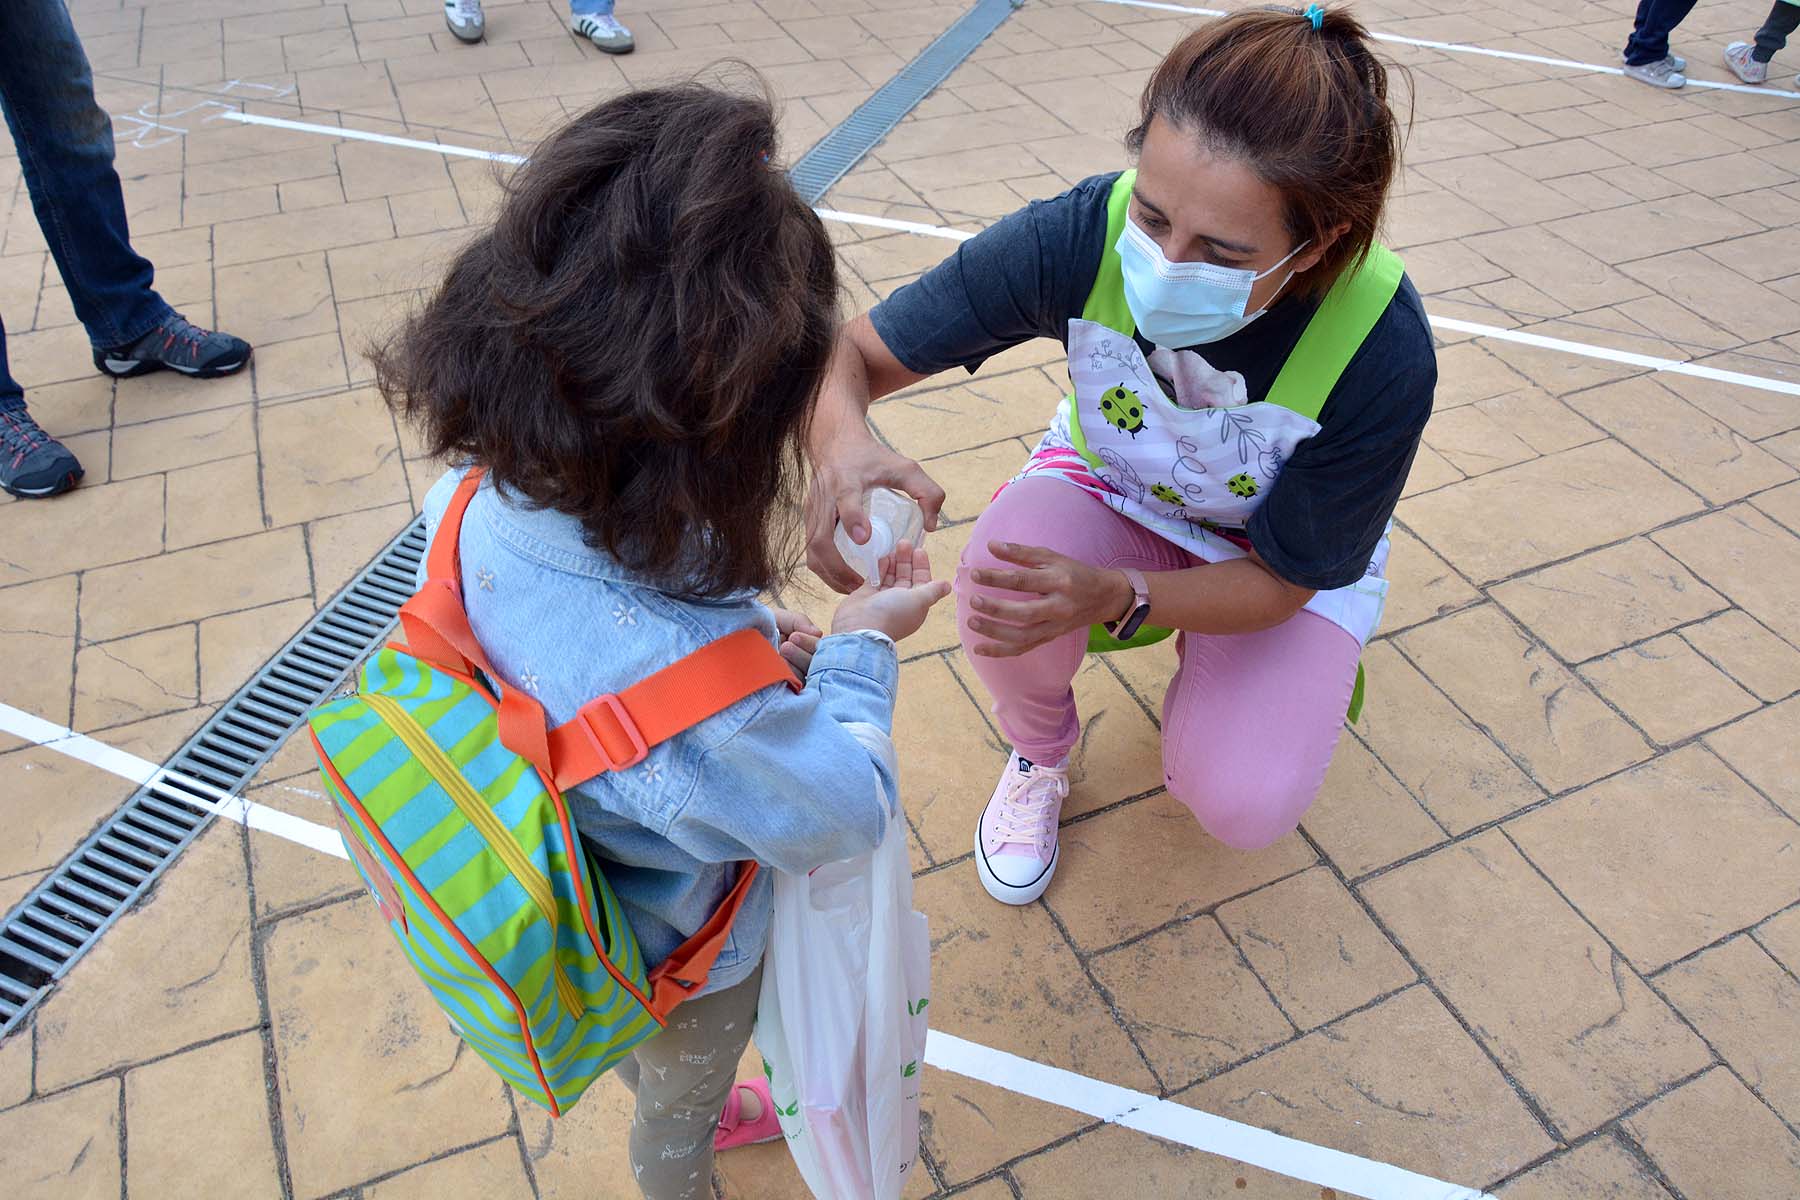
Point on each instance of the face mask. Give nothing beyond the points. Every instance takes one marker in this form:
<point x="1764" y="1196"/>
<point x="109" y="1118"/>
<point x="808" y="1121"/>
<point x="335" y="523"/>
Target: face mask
<point x="1185" y="304"/>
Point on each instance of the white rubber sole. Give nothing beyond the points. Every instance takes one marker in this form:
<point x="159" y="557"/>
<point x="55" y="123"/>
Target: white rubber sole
<point x="1005" y="892"/>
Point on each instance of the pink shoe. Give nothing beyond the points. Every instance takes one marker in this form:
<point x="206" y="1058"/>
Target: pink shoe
<point x="734" y="1131"/>
<point x="1015" y="842"/>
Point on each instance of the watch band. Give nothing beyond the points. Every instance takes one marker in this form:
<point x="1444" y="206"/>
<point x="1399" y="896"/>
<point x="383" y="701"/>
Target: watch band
<point x="1134" y="617"/>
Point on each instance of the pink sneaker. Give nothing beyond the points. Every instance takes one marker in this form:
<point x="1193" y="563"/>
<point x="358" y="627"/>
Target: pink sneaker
<point x="734" y="1131"/>
<point x="1015" y="843"/>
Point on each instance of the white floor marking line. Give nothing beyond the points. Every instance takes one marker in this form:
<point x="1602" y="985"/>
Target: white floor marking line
<point x="1465" y="48"/>
<point x="229" y="805"/>
<point x="359" y="135"/>
<point x="1188" y="1126"/>
<point x="1104" y="1101"/>
<point x="937" y="231"/>
<point x="495" y="156"/>
<point x="1674" y="366"/>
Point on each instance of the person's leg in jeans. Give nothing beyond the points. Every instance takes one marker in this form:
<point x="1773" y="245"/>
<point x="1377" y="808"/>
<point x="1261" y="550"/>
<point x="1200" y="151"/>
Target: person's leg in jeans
<point x="1015" y="841"/>
<point x="681" y="1078"/>
<point x="594" y="20"/>
<point x="65" y="145"/>
<point x="1656" y="19"/>
<point x="1250" y="723"/>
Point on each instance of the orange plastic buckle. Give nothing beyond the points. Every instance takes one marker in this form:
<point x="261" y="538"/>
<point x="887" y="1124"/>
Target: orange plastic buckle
<point x="589" y="712"/>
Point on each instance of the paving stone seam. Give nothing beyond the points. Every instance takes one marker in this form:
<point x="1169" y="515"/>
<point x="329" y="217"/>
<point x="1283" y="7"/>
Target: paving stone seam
<point x="118" y="1071"/>
<point x="1723" y="1061"/>
<point x="259" y="980"/>
<point x="1104" y="996"/>
<point x="1643" y="1156"/>
<point x="355" y="1189"/>
<point x="517" y="1130"/>
<point x="1611" y="1131"/>
<point x="1620" y="959"/>
<point x="1537" y="1112"/>
<point x="1750" y="929"/>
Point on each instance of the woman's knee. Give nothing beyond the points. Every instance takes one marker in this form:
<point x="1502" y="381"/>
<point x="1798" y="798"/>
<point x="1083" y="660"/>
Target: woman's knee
<point x="1246" y="810"/>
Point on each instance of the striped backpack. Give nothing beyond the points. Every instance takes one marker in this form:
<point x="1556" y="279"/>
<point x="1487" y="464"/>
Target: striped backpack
<point x="450" y="801"/>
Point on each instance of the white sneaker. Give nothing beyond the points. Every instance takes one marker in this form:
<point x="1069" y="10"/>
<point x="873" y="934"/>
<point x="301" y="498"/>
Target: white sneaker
<point x="465" y="19"/>
<point x="604" y="30"/>
<point x="1015" y="842"/>
<point x="1663" y="74"/>
<point x="1738" y="58"/>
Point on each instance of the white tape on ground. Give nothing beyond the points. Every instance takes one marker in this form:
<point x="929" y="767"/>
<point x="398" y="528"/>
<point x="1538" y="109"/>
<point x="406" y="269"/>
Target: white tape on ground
<point x="1672" y="365"/>
<point x="1465" y="48"/>
<point x="1103" y="1101"/>
<point x="229" y="805"/>
<point x="360" y="135"/>
<point x="1188" y="1126"/>
<point x="494" y="156"/>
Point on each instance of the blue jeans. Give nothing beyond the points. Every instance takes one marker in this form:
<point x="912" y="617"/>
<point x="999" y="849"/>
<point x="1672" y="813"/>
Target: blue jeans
<point x="65" y="146"/>
<point x="581" y="8"/>
<point x="1656" y="19"/>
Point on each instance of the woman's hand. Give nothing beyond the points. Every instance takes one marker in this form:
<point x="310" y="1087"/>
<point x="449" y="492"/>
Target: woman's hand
<point x="899" y="604"/>
<point x="844" y="470"/>
<point x="799" y="639"/>
<point x="1065" y="595"/>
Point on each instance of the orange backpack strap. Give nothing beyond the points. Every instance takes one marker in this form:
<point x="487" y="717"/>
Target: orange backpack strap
<point x="437" y="631"/>
<point x="687" y="968"/>
<point x="615" y="732"/>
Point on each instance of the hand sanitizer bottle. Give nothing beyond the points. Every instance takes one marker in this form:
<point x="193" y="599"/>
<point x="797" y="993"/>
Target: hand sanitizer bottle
<point x="893" y="518"/>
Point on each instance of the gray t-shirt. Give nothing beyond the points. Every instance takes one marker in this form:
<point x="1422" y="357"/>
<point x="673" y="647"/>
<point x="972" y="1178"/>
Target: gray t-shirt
<point x="1028" y="275"/>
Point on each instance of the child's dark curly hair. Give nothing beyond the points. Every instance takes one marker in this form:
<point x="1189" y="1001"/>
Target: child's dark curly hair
<point x="638" y="340"/>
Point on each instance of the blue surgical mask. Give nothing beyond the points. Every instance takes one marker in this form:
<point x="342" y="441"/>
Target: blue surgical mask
<point x="1186" y="304"/>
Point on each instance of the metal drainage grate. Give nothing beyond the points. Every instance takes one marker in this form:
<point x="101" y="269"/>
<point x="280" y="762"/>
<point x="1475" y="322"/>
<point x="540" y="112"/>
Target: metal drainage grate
<point x="844" y="146"/>
<point x="62" y="918"/>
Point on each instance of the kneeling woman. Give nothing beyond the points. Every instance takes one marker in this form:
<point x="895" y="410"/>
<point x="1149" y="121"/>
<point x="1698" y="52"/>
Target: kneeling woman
<point x="1251" y="374"/>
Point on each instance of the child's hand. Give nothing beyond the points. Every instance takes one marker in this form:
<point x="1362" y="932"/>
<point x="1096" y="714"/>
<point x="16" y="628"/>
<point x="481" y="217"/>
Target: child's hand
<point x="799" y="638"/>
<point x="896" y="607"/>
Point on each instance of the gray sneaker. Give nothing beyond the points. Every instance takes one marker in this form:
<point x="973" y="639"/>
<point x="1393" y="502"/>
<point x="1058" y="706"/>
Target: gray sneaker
<point x="604" y="30"/>
<point x="1738" y="58"/>
<point x="33" y="464"/>
<point x="465" y="19"/>
<point x="1664" y="74"/>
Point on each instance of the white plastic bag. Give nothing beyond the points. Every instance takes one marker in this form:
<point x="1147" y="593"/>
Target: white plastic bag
<point x="841" y="1020"/>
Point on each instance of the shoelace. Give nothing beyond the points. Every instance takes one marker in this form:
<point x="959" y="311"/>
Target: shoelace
<point x="605" y="22"/>
<point x="179" y="329"/>
<point x="464" y="9"/>
<point x="20" y="434"/>
<point x="1025" y="809"/>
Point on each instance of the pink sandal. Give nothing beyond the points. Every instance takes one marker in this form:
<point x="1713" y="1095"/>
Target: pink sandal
<point x="734" y="1131"/>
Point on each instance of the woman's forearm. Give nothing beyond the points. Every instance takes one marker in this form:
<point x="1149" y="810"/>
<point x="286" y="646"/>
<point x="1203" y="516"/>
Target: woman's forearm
<point x="1239" y="595"/>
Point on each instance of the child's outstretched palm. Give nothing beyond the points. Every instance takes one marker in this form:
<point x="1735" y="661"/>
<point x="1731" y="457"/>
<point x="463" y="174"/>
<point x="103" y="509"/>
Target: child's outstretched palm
<point x="897" y="606"/>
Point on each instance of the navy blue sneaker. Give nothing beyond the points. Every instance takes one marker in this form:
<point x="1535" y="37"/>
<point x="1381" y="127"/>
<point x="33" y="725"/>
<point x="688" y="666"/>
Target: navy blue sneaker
<point x="33" y="464"/>
<point x="179" y="345"/>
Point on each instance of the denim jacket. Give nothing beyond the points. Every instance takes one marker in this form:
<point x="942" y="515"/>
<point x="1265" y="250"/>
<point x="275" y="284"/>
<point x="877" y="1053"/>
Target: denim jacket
<point x="775" y="778"/>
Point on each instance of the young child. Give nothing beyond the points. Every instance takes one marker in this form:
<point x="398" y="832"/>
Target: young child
<point x="632" y="354"/>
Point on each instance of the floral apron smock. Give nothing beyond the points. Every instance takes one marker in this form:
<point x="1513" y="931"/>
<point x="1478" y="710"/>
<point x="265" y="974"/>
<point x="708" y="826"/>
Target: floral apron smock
<point x="1192" y="469"/>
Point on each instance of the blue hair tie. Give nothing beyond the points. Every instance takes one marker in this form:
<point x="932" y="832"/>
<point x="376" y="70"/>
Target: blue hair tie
<point x="1316" y="14"/>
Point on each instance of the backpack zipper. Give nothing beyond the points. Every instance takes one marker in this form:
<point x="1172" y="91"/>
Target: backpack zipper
<point x="475" y="809"/>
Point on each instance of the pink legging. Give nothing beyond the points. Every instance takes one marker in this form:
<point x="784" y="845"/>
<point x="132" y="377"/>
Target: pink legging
<point x="1250" y="720"/>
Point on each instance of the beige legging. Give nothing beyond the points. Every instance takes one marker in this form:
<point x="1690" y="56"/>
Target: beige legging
<point x="681" y="1078"/>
